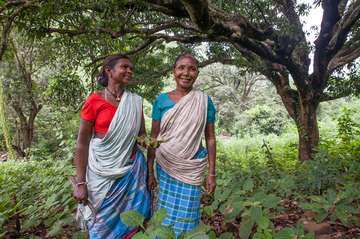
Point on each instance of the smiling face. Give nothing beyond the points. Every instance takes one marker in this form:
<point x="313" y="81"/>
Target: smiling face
<point x="185" y="72"/>
<point x="121" y="72"/>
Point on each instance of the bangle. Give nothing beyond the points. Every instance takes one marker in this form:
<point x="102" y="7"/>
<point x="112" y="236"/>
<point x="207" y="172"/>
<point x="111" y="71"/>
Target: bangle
<point x="81" y="183"/>
<point x="212" y="175"/>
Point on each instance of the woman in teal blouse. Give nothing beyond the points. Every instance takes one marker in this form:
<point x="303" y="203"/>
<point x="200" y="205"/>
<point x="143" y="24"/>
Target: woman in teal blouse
<point x="180" y="118"/>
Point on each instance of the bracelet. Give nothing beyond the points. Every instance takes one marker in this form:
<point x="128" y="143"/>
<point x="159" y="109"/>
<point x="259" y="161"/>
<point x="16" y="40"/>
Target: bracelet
<point x="212" y="175"/>
<point x="81" y="183"/>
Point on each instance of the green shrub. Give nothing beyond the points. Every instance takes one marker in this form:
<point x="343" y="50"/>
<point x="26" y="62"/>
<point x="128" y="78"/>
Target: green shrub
<point x="35" y="195"/>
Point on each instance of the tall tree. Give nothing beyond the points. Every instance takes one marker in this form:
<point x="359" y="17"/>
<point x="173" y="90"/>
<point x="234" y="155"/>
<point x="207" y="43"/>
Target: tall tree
<point x="266" y="36"/>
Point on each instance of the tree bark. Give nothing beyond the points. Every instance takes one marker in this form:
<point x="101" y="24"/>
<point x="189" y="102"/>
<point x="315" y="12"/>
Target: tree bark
<point x="302" y="109"/>
<point x="308" y="129"/>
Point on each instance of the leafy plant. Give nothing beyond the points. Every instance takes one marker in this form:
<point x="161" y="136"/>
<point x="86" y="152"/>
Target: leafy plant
<point x="154" y="228"/>
<point x="335" y="206"/>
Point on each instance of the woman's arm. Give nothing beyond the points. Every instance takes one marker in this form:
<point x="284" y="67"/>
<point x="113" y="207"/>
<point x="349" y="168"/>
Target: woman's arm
<point x="155" y="129"/>
<point x="211" y="147"/>
<point x="142" y="130"/>
<point x="81" y="159"/>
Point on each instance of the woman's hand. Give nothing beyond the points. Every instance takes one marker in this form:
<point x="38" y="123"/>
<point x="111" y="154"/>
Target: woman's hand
<point x="151" y="182"/>
<point x="80" y="193"/>
<point x="211" y="183"/>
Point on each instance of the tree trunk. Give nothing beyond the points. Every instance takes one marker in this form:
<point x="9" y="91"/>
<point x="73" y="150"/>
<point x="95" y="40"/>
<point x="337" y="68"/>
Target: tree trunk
<point x="25" y="128"/>
<point x="308" y="129"/>
<point x="303" y="111"/>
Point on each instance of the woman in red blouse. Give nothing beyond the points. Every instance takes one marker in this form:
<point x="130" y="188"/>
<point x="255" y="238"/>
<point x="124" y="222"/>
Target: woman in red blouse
<point x="110" y="170"/>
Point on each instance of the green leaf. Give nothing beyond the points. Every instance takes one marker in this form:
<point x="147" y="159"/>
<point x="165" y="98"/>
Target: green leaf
<point x="140" y="235"/>
<point x="255" y="213"/>
<point x="310" y="235"/>
<point x="321" y="215"/>
<point x="158" y="217"/>
<point x="331" y="196"/>
<point x="132" y="218"/>
<point x="56" y="230"/>
<point x="164" y="232"/>
<point x="246" y="228"/>
<point x="248" y="185"/>
<point x="285" y="233"/>
<point x="198" y="232"/>
<point x="263" y="222"/>
<point x="271" y="201"/>
<point x="208" y="210"/>
<point x="212" y="235"/>
<point x="226" y="235"/>
<point x="231" y="213"/>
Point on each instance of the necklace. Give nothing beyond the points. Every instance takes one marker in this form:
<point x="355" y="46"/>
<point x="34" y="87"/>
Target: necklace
<point x="117" y="97"/>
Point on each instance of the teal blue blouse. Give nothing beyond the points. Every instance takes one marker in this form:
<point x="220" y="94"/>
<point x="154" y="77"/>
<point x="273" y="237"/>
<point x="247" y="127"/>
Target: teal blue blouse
<point x="163" y="103"/>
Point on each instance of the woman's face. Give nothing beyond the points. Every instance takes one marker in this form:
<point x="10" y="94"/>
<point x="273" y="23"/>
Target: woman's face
<point x="185" y="72"/>
<point x="122" y="72"/>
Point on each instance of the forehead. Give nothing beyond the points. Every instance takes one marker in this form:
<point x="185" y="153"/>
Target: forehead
<point x="186" y="60"/>
<point x="124" y="61"/>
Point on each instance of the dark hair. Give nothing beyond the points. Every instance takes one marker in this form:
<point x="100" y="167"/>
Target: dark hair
<point x="109" y="62"/>
<point x="186" y="55"/>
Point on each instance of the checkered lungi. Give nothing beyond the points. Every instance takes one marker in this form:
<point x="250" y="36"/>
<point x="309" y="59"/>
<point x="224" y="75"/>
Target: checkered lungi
<point x="181" y="201"/>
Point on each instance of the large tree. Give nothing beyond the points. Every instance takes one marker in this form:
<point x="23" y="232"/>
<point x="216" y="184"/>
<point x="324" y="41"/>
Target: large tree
<point x="267" y="36"/>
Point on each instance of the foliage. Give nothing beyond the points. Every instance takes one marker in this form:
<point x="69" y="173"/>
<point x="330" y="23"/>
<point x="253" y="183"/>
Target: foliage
<point x="251" y="107"/>
<point x="265" y="37"/>
<point x="65" y="89"/>
<point x="154" y="228"/>
<point x="255" y="177"/>
<point x="263" y="119"/>
<point x="336" y="206"/>
<point x="347" y="128"/>
<point x="5" y="134"/>
<point x="40" y="199"/>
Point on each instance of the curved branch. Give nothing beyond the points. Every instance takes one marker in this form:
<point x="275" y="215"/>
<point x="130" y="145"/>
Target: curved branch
<point x="169" y="7"/>
<point x="322" y="55"/>
<point x="287" y="7"/>
<point x="325" y="97"/>
<point x="199" y="13"/>
<point x="137" y="49"/>
<point x="122" y="32"/>
<point x="343" y="27"/>
<point x="344" y="56"/>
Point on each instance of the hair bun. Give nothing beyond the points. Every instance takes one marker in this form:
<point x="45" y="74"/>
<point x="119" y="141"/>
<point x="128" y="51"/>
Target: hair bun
<point x="102" y="79"/>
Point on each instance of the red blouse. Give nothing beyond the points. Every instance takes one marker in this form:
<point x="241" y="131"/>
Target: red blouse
<point x="96" y="109"/>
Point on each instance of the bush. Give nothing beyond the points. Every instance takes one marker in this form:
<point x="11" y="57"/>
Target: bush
<point x="36" y="197"/>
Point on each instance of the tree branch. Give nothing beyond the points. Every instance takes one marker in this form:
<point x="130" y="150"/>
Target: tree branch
<point x="343" y="27"/>
<point x="287" y="7"/>
<point x="326" y="97"/>
<point x="344" y="56"/>
<point x="12" y="3"/>
<point x="8" y="26"/>
<point x="330" y="17"/>
<point x="199" y="13"/>
<point x="169" y="7"/>
<point x="139" y="48"/>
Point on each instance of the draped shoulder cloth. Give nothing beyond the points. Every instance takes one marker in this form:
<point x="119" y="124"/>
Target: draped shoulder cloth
<point x="182" y="128"/>
<point x="109" y="157"/>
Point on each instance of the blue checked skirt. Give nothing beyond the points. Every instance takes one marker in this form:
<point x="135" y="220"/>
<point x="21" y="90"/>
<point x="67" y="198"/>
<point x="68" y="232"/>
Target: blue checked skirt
<point x="181" y="201"/>
<point x="127" y="193"/>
